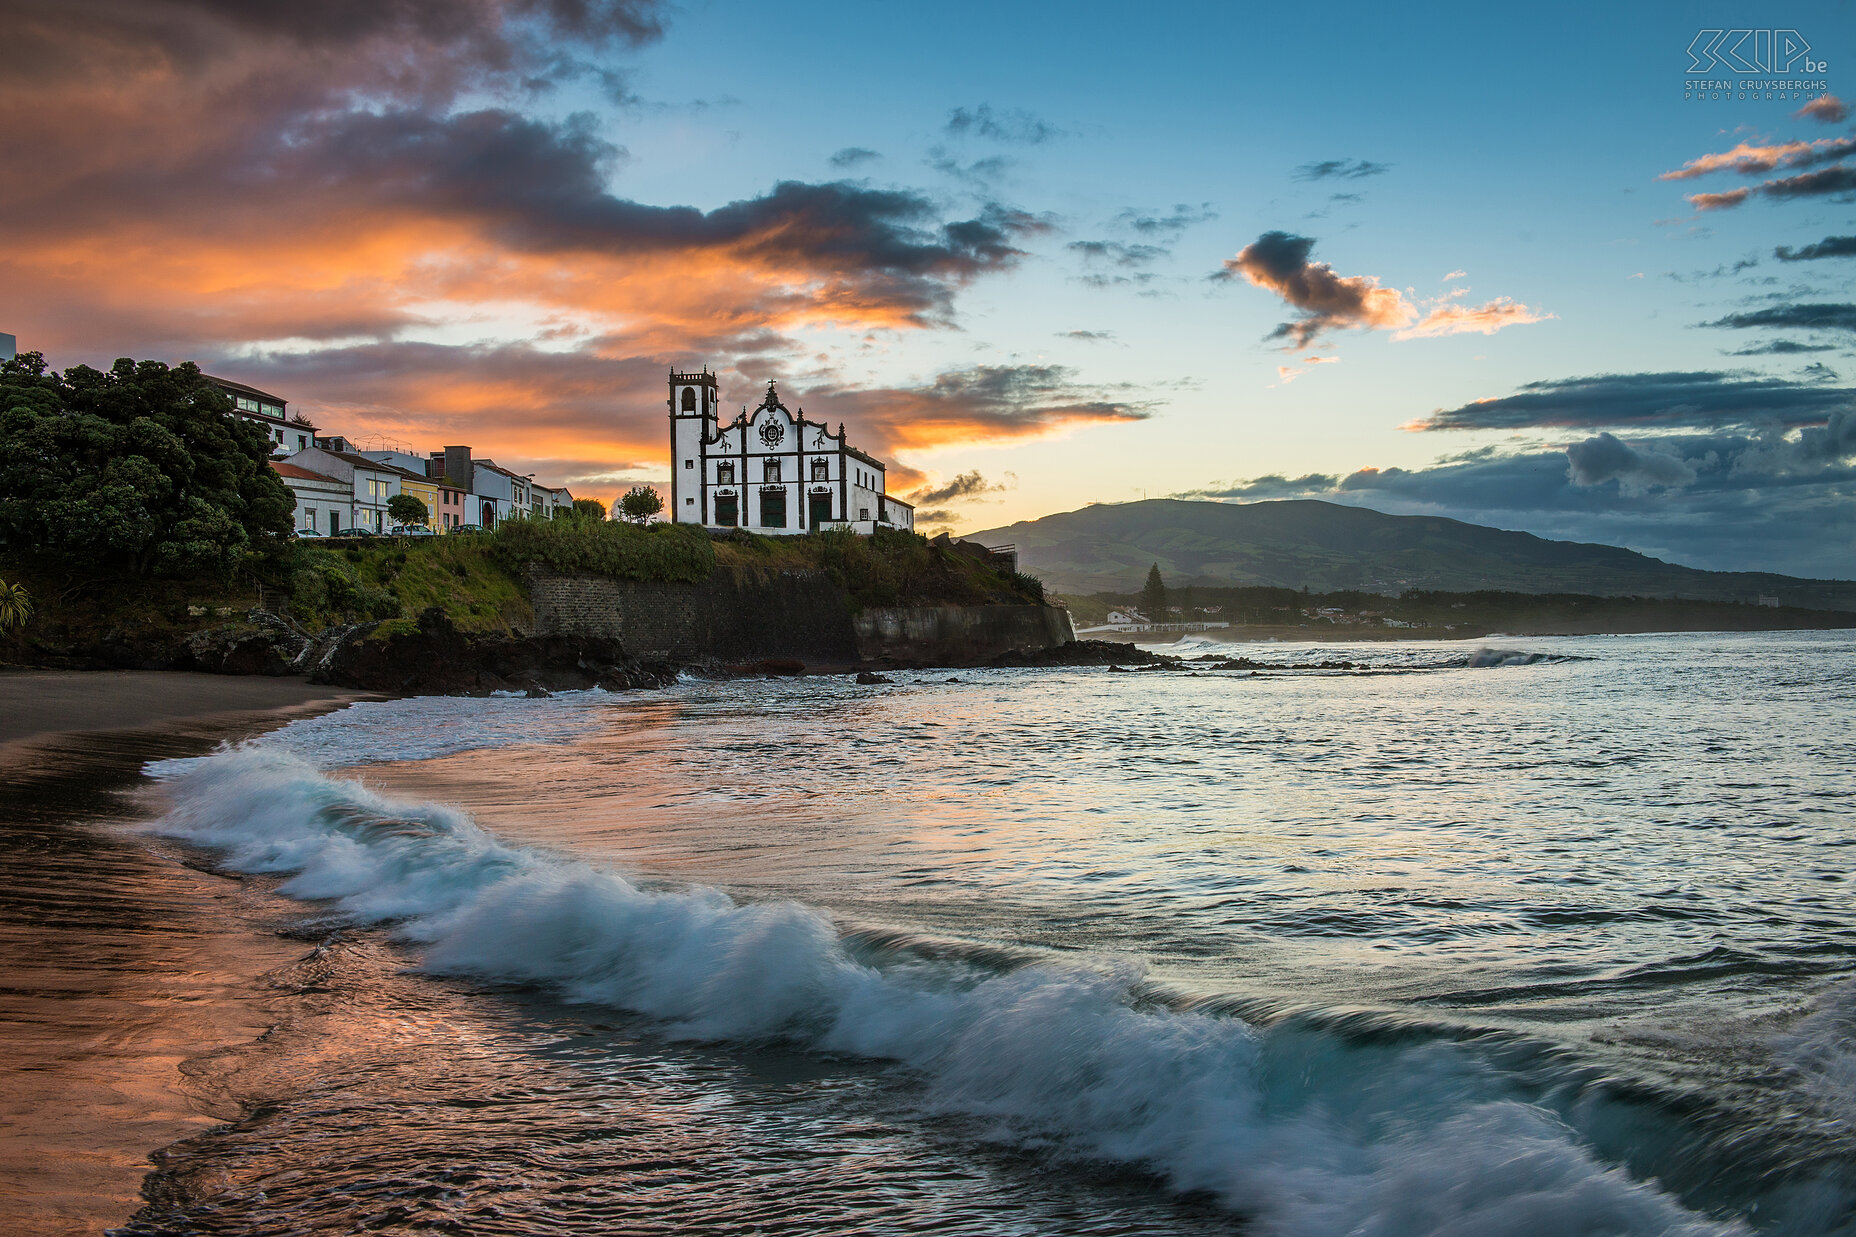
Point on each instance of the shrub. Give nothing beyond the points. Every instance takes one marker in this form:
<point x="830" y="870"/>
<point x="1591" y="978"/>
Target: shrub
<point x="626" y="551"/>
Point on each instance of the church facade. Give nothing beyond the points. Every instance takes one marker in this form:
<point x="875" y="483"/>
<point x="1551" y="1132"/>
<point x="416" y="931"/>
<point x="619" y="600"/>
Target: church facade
<point x="770" y="470"/>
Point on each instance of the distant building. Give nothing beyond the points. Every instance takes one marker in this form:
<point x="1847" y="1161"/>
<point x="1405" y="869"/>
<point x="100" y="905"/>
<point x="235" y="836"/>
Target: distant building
<point x="323" y="503"/>
<point x="1772" y="602"/>
<point x="370" y="482"/>
<point x="288" y="435"/>
<point x="9" y="347"/>
<point x="769" y="471"/>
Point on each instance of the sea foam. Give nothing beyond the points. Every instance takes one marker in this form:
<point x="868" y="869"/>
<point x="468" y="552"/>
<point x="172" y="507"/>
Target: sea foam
<point x="1302" y="1131"/>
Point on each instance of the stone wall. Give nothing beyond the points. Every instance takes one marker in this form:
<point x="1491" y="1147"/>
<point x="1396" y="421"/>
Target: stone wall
<point x="745" y="615"/>
<point x="737" y="615"/>
<point x="956" y="635"/>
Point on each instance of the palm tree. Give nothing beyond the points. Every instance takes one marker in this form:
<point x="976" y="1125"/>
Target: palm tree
<point x="15" y="605"/>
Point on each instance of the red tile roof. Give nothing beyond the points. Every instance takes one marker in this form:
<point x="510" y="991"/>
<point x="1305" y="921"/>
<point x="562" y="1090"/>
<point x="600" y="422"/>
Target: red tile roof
<point x="286" y="469"/>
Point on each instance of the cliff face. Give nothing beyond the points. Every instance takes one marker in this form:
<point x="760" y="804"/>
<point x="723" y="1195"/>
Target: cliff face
<point x="745" y="615"/>
<point x="957" y="635"/>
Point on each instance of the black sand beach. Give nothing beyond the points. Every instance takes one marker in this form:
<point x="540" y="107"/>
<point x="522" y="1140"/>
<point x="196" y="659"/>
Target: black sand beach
<point x="115" y="981"/>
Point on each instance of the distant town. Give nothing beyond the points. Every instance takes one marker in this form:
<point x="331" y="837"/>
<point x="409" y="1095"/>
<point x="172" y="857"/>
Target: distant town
<point x="340" y="487"/>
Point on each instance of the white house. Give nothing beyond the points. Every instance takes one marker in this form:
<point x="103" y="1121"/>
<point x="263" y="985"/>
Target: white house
<point x="769" y="471"/>
<point x="371" y="483"/>
<point x="323" y="503"/>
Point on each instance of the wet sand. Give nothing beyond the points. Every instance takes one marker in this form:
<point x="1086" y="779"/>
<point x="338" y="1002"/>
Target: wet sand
<point x="125" y="970"/>
<point x="34" y="702"/>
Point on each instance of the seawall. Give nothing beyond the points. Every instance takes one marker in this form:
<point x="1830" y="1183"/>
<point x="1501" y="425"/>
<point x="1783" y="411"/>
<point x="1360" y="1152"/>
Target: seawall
<point x="744" y="615"/>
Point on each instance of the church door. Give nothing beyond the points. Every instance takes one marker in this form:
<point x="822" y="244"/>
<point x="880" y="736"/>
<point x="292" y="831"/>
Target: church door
<point x="773" y="508"/>
<point x="726" y="513"/>
<point x="819" y="513"/>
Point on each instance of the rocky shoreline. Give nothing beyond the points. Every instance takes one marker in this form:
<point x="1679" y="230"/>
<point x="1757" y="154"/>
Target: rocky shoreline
<point x="432" y="656"/>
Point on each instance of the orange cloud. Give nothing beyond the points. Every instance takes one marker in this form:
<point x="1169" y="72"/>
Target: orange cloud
<point x="1279" y="262"/>
<point x="1751" y="160"/>
<point x="1485" y="319"/>
<point x="1718" y="201"/>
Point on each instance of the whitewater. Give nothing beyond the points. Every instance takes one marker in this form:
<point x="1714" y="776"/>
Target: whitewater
<point x="1544" y="938"/>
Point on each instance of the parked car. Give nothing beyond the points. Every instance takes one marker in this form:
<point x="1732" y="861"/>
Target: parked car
<point x="355" y="531"/>
<point x="412" y="530"/>
<point x="468" y="528"/>
<point x="308" y="532"/>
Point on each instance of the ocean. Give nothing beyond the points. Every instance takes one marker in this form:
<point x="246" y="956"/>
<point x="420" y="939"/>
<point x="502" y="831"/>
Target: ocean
<point x="1519" y="936"/>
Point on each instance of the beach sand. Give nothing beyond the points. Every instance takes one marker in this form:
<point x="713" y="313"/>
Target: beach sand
<point x="45" y="702"/>
<point x="126" y="970"/>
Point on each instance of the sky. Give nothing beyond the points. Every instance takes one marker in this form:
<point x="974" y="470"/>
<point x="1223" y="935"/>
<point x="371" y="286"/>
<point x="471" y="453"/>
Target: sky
<point x="1477" y="263"/>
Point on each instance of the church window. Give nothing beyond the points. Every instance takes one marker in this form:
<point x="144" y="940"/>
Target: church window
<point x="724" y="474"/>
<point x="689" y="463"/>
<point x="773" y="471"/>
<point x="689" y="399"/>
<point x="821" y="471"/>
<point x="863" y="513"/>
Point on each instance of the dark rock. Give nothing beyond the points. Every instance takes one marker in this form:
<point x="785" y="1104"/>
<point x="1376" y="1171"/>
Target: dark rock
<point x="871" y="680"/>
<point x="1081" y="653"/>
<point x="438" y="659"/>
<point x="537" y="692"/>
<point x="1119" y="670"/>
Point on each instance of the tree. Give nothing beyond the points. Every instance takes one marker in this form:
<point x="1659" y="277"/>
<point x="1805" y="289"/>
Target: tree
<point x="407" y="509"/>
<point x="640" y="503"/>
<point x="141" y="471"/>
<point x="589" y="509"/>
<point x="1153" y="596"/>
<point x="15" y="605"/>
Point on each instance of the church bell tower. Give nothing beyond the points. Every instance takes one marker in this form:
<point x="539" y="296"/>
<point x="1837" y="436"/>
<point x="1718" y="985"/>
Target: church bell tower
<point x="693" y="410"/>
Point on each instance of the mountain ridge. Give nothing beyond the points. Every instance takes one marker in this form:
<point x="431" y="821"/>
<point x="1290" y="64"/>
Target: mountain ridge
<point x="1307" y="543"/>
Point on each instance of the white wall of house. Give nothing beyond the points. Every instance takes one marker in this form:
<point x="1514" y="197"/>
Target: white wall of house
<point x="370" y="485"/>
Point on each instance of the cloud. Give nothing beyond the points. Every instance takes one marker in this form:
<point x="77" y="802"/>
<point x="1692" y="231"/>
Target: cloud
<point x="1829" y="247"/>
<point x="1285" y="374"/>
<point x="302" y="193"/>
<point x="964" y="485"/>
<point x="1485" y="319"/>
<point x="1839" y="179"/>
<point x="1169" y="225"/>
<point x="1694" y="398"/>
<point x="984" y="403"/>
<point x="1833" y="317"/>
<point x="1091" y="337"/>
<point x="1750" y="160"/>
<point x="853" y="156"/>
<point x="1116" y="253"/>
<point x="1015" y="125"/>
<point x="1340" y="169"/>
<point x="1279" y="262"/>
<point x="1458" y="274"/>
<point x="1826" y="108"/>
<point x="1781" y="347"/>
<point x="1607" y="458"/>
<point x="935" y="517"/>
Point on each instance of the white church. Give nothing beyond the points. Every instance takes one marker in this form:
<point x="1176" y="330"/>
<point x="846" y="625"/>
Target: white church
<point x="770" y="470"/>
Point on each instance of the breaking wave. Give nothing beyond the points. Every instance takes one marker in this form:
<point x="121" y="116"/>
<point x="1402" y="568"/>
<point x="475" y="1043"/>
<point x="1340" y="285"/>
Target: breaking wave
<point x="1301" y="1128"/>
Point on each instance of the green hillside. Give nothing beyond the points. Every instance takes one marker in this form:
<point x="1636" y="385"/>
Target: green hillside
<point x="1328" y="547"/>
